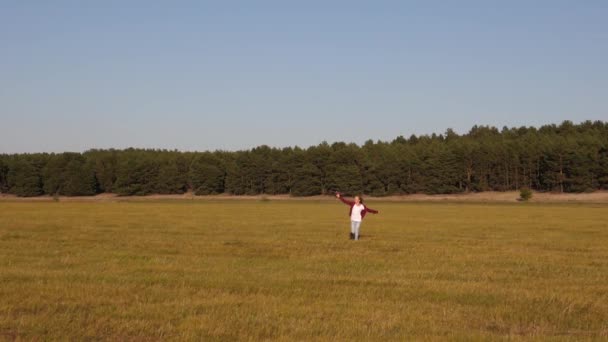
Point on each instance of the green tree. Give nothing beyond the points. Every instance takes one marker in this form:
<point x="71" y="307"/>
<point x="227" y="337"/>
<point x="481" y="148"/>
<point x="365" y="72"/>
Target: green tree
<point x="567" y="157"/>
<point x="307" y="181"/>
<point x="346" y="179"/>
<point x="525" y="194"/>
<point x="169" y="178"/>
<point x="105" y="164"/>
<point x="320" y="157"/>
<point x="136" y="174"/>
<point x="553" y="163"/>
<point x="602" y="173"/>
<point x="24" y="178"/>
<point x="79" y="178"/>
<point x="53" y="174"/>
<point x="3" y="173"/>
<point x="207" y="175"/>
<point x="237" y="180"/>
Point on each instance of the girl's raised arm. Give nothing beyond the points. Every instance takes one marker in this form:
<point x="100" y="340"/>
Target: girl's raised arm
<point x="345" y="201"/>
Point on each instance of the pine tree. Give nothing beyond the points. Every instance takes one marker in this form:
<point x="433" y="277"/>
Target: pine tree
<point x="24" y="178"/>
<point x="307" y="181"/>
<point x="320" y="156"/>
<point x="3" y="173"/>
<point x="169" y="179"/>
<point x="565" y="158"/>
<point x="206" y="175"/>
<point x="136" y="174"/>
<point x="346" y="179"/>
<point x="104" y="167"/>
<point x="52" y="175"/>
<point x="277" y="180"/>
<point x="79" y="178"/>
<point x="602" y="173"/>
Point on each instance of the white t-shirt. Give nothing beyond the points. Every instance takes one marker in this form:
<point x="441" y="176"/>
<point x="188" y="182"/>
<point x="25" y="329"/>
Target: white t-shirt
<point x="355" y="215"/>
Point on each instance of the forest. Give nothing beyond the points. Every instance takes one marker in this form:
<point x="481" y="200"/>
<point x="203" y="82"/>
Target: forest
<point x="553" y="158"/>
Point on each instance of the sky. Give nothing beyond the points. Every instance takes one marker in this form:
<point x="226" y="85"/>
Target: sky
<point x="230" y="75"/>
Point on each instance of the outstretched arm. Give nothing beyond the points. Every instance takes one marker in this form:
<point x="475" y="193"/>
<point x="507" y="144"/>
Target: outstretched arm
<point x="345" y="201"/>
<point x="370" y="210"/>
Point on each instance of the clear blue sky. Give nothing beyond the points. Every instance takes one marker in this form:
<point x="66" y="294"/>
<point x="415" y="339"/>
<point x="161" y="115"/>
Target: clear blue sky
<point x="198" y="75"/>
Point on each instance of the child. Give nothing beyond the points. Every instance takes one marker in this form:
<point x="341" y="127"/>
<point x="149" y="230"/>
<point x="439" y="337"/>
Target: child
<point x="357" y="213"/>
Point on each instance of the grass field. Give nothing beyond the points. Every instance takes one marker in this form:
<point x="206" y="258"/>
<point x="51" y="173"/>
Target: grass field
<point x="254" y="270"/>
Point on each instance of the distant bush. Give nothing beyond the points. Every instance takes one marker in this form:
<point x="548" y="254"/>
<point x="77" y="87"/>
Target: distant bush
<point x="525" y="194"/>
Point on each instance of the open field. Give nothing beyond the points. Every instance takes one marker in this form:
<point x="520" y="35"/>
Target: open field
<point x="285" y="270"/>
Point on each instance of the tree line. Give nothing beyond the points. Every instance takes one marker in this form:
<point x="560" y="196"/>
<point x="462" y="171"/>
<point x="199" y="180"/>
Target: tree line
<point x="563" y="158"/>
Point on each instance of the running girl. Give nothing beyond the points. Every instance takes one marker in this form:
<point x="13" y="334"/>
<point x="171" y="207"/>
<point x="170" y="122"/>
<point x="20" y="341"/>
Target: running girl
<point x="357" y="213"/>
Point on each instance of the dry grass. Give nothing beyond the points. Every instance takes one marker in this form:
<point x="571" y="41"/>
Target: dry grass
<point x="246" y="270"/>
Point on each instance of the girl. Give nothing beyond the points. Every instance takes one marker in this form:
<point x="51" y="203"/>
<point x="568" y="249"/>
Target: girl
<point x="357" y="213"/>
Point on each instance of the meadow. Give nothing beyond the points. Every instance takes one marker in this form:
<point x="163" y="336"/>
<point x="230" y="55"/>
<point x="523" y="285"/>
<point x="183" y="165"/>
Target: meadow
<point x="286" y="270"/>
